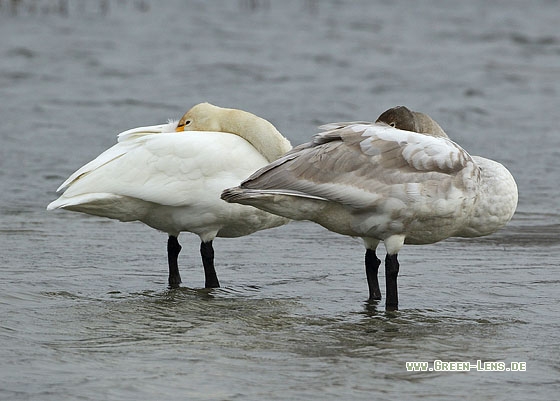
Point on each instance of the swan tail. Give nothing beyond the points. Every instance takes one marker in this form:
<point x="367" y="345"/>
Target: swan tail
<point x="113" y="206"/>
<point x="286" y="203"/>
<point x="251" y="196"/>
<point x="81" y="201"/>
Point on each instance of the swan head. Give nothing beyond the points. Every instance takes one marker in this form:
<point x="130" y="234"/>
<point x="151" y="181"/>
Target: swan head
<point x="202" y="117"/>
<point x="403" y="118"/>
<point x="257" y="131"/>
<point x="399" y="117"/>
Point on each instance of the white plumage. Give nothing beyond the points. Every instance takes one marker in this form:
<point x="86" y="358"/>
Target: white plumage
<point x="172" y="180"/>
<point x="381" y="183"/>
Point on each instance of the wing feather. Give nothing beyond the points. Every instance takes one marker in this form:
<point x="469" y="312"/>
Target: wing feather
<point x="127" y="141"/>
<point x="174" y="169"/>
<point x="362" y="164"/>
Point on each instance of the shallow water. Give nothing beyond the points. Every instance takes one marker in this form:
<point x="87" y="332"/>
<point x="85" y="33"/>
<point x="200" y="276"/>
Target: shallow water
<point x="85" y="309"/>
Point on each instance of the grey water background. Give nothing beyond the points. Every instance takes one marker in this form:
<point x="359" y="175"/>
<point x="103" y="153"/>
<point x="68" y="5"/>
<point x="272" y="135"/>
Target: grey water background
<point x="84" y="309"/>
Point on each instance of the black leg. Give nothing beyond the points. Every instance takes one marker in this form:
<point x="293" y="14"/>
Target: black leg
<point x="207" y="253"/>
<point x="173" y="249"/>
<point x="391" y="273"/>
<point x="372" y="266"/>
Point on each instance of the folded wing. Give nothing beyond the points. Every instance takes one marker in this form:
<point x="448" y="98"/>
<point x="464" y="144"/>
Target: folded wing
<point x="360" y="164"/>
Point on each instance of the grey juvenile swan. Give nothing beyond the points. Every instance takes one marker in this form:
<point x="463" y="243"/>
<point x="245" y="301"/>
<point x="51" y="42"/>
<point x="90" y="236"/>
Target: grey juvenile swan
<point x="384" y="182"/>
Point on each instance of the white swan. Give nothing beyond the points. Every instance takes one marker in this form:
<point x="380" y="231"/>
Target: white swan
<point x="385" y="184"/>
<point x="172" y="180"/>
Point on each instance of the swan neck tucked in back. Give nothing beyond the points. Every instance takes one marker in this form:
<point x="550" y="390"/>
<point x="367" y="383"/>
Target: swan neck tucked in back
<point x="257" y="131"/>
<point x="401" y="117"/>
<point x="427" y="125"/>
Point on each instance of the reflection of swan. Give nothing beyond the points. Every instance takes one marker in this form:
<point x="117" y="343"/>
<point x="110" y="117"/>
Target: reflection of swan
<point x="172" y="180"/>
<point x="385" y="184"/>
